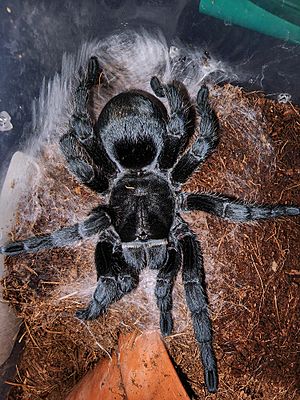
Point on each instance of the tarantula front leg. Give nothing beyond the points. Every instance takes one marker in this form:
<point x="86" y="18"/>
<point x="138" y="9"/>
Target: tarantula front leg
<point x="235" y="210"/>
<point x="81" y="124"/>
<point x="115" y="279"/>
<point x="84" y="152"/>
<point x="95" y="224"/>
<point x="204" y="144"/>
<point x="194" y="285"/>
<point x="82" y="165"/>
<point x="163" y="290"/>
<point x="181" y="122"/>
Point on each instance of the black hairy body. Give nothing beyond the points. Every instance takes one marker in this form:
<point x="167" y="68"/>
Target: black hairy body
<point x="137" y="156"/>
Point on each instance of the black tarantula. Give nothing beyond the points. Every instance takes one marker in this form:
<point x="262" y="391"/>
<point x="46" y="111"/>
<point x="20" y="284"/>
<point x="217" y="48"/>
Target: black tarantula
<point x="135" y="156"/>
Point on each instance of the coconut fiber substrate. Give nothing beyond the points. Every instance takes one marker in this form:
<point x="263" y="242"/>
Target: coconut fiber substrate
<point x="251" y="269"/>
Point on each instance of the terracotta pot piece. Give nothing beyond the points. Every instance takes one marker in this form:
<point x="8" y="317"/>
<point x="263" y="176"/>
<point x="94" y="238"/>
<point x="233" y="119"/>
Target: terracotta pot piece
<point x="141" y="371"/>
<point x="104" y="382"/>
<point x="146" y="369"/>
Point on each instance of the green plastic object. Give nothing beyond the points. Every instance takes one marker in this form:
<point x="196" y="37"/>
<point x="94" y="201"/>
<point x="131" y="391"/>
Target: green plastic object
<point x="278" y="18"/>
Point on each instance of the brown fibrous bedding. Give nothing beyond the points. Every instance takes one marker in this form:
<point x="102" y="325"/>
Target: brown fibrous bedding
<point x="252" y="270"/>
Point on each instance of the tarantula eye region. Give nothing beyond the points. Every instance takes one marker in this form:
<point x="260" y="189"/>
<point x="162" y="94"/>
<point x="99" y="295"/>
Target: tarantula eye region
<point x="135" y="154"/>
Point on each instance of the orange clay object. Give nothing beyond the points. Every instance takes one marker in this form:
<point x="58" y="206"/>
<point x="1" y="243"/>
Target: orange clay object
<point x="146" y="369"/>
<point x="101" y="383"/>
<point x="142" y="371"/>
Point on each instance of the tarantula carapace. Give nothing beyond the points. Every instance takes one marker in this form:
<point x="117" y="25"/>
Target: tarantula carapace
<point x="135" y="155"/>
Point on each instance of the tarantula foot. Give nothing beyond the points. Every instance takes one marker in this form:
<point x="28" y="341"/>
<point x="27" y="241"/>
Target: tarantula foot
<point x="93" y="72"/>
<point x="166" y="323"/>
<point x="202" y="99"/>
<point x="157" y="87"/>
<point x="93" y="311"/>
<point x="209" y="366"/>
<point x="211" y="380"/>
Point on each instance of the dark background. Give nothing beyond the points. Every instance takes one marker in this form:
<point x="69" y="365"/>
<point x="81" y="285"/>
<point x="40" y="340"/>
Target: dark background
<point x="35" y="34"/>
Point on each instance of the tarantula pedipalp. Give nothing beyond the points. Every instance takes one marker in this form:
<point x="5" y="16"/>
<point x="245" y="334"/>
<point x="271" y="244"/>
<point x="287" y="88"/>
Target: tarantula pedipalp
<point x="135" y="156"/>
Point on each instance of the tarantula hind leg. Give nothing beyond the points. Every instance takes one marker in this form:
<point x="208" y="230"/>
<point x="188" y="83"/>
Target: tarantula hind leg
<point x="193" y="280"/>
<point x="163" y="291"/>
<point x="115" y="279"/>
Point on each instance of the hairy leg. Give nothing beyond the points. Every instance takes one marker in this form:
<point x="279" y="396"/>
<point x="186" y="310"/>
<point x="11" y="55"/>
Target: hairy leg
<point x="194" y="285"/>
<point x="235" y="210"/>
<point x="181" y="122"/>
<point x="84" y="152"/>
<point x="97" y="222"/>
<point x="115" y="279"/>
<point x="163" y="290"/>
<point x="82" y="165"/>
<point x="204" y="144"/>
